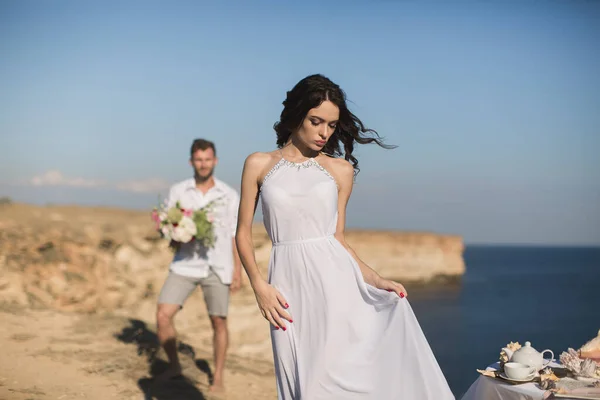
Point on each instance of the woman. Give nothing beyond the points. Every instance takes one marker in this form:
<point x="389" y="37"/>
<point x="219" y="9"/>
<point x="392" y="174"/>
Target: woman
<point x="338" y="329"/>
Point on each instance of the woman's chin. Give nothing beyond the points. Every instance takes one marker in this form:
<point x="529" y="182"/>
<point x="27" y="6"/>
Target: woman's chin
<point x="316" y="147"/>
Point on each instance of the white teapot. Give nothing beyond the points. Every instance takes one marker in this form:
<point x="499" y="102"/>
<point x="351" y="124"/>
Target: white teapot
<point x="529" y="356"/>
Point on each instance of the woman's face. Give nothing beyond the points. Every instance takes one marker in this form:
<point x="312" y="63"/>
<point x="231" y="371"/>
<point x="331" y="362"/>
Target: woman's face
<point x="318" y="125"/>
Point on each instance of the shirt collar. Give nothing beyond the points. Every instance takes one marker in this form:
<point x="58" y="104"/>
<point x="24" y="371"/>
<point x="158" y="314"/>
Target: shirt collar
<point x="191" y="185"/>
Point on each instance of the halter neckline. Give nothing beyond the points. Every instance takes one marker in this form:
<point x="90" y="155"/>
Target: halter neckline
<point x="311" y="162"/>
<point x="308" y="160"/>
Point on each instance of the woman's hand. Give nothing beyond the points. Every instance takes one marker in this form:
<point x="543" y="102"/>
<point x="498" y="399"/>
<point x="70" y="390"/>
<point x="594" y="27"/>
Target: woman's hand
<point x="272" y="304"/>
<point x="391" y="286"/>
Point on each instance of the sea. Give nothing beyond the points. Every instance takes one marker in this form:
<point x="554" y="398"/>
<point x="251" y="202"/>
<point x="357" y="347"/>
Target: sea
<point x="549" y="296"/>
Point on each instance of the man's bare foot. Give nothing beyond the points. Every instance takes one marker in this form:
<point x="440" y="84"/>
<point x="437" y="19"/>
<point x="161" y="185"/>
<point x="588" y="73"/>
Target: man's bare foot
<point x="216" y="387"/>
<point x="170" y="373"/>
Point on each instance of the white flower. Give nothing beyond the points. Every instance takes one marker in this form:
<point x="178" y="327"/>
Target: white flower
<point x="188" y="225"/>
<point x="185" y="230"/>
<point x="180" y="235"/>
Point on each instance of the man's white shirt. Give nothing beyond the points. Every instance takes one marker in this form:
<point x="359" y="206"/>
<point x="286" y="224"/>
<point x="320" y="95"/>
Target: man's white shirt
<point x="192" y="259"/>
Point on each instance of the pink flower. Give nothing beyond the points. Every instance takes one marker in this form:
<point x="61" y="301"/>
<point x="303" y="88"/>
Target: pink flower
<point x="156" y="219"/>
<point x="187" y="213"/>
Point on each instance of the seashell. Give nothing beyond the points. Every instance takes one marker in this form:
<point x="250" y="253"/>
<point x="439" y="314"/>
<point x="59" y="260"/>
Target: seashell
<point x="591" y="349"/>
<point x="588" y="368"/>
<point x="579" y="367"/>
<point x="513" y="346"/>
<point x="593" y="344"/>
<point x="484" y="372"/>
<point x="570" y="359"/>
<point x="548" y="384"/>
<point x="548" y="374"/>
<point x="504" y="357"/>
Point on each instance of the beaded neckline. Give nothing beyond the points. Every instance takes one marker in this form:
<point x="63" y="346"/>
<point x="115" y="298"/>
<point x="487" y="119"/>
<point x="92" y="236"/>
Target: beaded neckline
<point x="306" y="163"/>
<point x="311" y="162"/>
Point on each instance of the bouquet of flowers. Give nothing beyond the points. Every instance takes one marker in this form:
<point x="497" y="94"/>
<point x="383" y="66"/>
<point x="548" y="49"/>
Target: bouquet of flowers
<point x="185" y="225"/>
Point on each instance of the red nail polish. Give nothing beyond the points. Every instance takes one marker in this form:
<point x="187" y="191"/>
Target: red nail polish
<point x="389" y="290"/>
<point x="291" y="320"/>
<point x="286" y="305"/>
<point x="284" y="328"/>
<point x="276" y="327"/>
<point x="402" y="295"/>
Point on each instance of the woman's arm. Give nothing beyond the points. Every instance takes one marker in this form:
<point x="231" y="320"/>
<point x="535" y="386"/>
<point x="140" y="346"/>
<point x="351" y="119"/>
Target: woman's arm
<point x="270" y="302"/>
<point x="344" y="175"/>
<point x="248" y="202"/>
<point x="236" y="281"/>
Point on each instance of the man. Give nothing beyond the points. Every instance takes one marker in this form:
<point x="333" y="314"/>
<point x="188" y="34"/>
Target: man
<point x="217" y="270"/>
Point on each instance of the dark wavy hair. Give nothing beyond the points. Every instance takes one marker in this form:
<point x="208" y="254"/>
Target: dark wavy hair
<point x="309" y="93"/>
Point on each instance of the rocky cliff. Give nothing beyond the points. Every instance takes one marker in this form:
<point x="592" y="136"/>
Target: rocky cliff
<point x="100" y="259"/>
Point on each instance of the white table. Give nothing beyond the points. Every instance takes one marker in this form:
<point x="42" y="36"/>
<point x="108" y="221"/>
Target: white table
<point x="486" y="388"/>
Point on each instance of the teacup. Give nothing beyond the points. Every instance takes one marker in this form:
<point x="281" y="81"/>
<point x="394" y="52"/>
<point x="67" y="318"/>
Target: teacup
<point x="520" y="371"/>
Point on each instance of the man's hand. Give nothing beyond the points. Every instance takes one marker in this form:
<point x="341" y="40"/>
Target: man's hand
<point x="236" y="282"/>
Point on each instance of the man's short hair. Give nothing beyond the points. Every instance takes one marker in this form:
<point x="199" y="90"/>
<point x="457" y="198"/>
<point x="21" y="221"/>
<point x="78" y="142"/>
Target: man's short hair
<point x="202" y="144"/>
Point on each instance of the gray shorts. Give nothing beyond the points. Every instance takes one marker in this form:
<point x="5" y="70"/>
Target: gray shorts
<point x="178" y="288"/>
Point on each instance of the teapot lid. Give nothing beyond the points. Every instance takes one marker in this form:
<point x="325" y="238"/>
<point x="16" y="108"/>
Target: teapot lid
<point x="527" y="349"/>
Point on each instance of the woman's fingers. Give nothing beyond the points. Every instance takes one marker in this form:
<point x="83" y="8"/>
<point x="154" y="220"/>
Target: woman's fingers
<point x="272" y="306"/>
<point x="283" y="305"/>
<point x="278" y="319"/>
<point x="397" y="288"/>
<point x="401" y="290"/>
<point x="284" y="314"/>
<point x="282" y="300"/>
<point x="275" y="314"/>
<point x="270" y="318"/>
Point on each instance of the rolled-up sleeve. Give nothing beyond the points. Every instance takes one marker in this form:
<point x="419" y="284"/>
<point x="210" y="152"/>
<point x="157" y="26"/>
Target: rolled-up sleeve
<point x="234" y="204"/>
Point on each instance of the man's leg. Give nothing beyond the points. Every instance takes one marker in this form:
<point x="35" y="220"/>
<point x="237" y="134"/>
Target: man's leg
<point x="172" y="296"/>
<point x="167" y="337"/>
<point x="216" y="296"/>
<point x="220" y="344"/>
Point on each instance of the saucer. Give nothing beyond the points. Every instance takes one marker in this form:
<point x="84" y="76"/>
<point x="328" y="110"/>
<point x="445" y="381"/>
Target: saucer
<point x="506" y="378"/>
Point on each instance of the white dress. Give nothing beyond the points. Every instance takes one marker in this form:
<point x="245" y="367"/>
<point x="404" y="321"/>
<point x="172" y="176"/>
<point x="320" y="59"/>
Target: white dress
<point x="349" y="340"/>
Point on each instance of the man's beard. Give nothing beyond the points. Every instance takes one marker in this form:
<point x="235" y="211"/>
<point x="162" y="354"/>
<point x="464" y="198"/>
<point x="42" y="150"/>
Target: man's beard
<point x="201" y="178"/>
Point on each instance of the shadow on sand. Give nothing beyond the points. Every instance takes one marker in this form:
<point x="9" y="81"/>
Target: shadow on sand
<point x="148" y="346"/>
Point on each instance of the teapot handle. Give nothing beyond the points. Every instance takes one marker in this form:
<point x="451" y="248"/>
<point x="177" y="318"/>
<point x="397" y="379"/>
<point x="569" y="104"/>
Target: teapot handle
<point x="551" y="358"/>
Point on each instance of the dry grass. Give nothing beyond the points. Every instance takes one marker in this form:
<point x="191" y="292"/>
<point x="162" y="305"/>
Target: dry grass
<point x="22" y="337"/>
<point x="33" y="390"/>
<point x="12" y="308"/>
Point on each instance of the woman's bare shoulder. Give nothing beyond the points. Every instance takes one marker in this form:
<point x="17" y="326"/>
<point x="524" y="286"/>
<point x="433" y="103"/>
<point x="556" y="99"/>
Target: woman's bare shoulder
<point x="337" y="166"/>
<point x="259" y="159"/>
<point x="259" y="163"/>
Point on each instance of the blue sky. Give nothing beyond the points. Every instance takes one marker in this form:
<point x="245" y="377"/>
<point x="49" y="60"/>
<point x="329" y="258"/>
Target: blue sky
<point x="494" y="106"/>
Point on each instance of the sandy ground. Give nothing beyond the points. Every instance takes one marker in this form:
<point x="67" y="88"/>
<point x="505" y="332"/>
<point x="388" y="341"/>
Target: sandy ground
<point x="51" y="355"/>
<point x="78" y="290"/>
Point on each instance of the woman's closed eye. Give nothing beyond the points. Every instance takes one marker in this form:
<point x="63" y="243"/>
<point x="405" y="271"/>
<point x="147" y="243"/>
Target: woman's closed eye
<point x="317" y="123"/>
